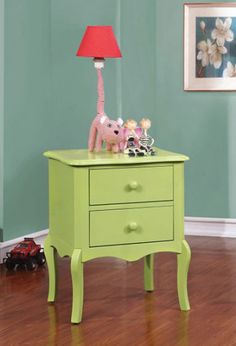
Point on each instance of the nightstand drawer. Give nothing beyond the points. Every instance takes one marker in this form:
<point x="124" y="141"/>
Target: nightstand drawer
<point x="129" y="226"/>
<point x="143" y="184"/>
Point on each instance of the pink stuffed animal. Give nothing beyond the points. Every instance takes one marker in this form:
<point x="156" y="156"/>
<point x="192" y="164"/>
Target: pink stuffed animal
<point x="103" y="129"/>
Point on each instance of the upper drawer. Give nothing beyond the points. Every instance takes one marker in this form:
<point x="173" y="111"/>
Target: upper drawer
<point x="127" y="185"/>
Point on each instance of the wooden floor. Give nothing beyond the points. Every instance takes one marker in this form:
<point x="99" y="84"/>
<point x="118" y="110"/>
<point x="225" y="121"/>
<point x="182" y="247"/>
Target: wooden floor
<point x="117" y="311"/>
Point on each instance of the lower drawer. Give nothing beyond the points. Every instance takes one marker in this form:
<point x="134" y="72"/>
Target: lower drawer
<point x="128" y="226"/>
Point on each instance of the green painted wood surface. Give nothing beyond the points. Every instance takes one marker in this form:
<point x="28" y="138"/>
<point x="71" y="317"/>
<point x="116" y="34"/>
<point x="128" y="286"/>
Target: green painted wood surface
<point x="50" y="254"/>
<point x="81" y="208"/>
<point x="77" y="275"/>
<point x="149" y="273"/>
<point x="131" y="205"/>
<point x="130" y="252"/>
<point x="130" y="226"/>
<point x="61" y="205"/>
<point x="85" y="158"/>
<point x="129" y="230"/>
<point x="182" y="276"/>
<point x="179" y="201"/>
<point x="126" y="185"/>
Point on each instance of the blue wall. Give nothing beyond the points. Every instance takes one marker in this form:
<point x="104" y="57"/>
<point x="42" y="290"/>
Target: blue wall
<point x="1" y="110"/>
<point x="50" y="100"/>
<point x="28" y="118"/>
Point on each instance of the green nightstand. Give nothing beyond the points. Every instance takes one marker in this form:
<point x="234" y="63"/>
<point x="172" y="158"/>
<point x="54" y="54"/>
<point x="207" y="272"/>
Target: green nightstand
<point x="105" y="204"/>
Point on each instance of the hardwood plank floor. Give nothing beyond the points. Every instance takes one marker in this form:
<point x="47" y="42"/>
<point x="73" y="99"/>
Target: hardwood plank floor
<point x="117" y="311"/>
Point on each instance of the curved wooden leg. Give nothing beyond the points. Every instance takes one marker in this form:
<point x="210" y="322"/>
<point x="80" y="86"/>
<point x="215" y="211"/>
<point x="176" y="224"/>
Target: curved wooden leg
<point x="182" y="276"/>
<point x="50" y="254"/>
<point x="149" y="272"/>
<point x="77" y="286"/>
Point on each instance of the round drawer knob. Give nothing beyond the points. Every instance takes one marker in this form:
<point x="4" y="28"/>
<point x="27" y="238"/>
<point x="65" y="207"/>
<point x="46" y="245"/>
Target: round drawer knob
<point x="133" y="185"/>
<point x="133" y="226"/>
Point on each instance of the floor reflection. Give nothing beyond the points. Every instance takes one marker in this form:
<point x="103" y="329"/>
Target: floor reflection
<point x="76" y="335"/>
<point x="52" y="316"/>
<point x="182" y="335"/>
<point x="55" y="334"/>
<point x="181" y="323"/>
<point x="149" y="317"/>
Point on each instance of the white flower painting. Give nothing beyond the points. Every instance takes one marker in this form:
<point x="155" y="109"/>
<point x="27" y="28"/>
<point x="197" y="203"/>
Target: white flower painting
<point x="222" y="31"/>
<point x="230" y="70"/>
<point x="210" y="46"/>
<point x="215" y="47"/>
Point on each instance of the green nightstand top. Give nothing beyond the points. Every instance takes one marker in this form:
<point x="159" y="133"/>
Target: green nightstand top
<point x="85" y="158"/>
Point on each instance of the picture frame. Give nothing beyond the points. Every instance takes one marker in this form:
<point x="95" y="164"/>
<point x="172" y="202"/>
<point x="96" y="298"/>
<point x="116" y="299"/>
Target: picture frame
<point x="210" y="46"/>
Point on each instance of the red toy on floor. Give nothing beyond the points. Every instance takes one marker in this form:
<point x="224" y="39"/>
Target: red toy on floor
<point x="26" y="253"/>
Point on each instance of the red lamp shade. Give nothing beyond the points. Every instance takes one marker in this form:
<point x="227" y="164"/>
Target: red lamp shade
<point x="99" y="42"/>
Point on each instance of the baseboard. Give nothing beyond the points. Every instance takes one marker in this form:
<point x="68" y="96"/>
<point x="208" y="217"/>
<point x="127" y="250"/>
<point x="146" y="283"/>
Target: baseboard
<point x="197" y="226"/>
<point x="9" y="244"/>
<point x="210" y="227"/>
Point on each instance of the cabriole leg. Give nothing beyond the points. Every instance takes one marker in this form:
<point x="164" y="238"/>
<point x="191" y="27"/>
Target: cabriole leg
<point x="149" y="272"/>
<point x="50" y="254"/>
<point x="77" y="286"/>
<point x="182" y="276"/>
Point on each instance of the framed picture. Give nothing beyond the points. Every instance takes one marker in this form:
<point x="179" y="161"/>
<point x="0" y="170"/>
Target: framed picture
<point x="210" y="47"/>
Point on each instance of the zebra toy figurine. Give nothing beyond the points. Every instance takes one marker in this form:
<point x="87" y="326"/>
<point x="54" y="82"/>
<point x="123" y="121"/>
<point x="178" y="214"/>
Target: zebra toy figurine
<point x="145" y="141"/>
<point x="132" y="134"/>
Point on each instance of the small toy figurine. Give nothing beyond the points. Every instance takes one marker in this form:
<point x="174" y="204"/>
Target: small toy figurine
<point x="103" y="129"/>
<point x="131" y="134"/>
<point x="26" y="253"/>
<point x="145" y="141"/>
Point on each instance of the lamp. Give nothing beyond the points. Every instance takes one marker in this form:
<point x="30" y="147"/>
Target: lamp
<point x="99" y="42"/>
